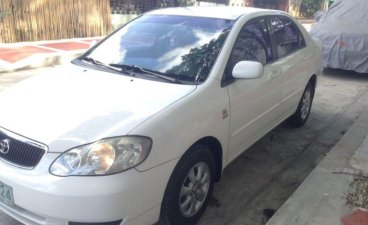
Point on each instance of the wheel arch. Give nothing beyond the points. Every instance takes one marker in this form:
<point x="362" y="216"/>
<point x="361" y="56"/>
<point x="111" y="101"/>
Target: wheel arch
<point x="213" y="146"/>
<point x="216" y="149"/>
<point x="313" y="81"/>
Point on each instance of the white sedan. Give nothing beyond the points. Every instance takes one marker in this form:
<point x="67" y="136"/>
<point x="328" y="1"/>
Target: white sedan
<point x="139" y="128"/>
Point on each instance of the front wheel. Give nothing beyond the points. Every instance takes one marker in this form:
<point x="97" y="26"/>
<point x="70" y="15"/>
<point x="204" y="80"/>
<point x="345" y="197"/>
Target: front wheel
<point x="189" y="188"/>
<point x="301" y="115"/>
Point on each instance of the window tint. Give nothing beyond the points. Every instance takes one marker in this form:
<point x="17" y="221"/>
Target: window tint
<point x="253" y="44"/>
<point x="287" y="36"/>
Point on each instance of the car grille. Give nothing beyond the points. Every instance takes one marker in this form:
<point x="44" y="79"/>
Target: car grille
<point x="21" y="152"/>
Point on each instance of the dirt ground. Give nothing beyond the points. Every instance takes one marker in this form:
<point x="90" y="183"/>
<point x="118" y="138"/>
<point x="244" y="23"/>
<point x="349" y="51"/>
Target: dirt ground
<point x="270" y="171"/>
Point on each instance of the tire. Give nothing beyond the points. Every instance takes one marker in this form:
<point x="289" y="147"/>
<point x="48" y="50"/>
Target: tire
<point x="301" y="115"/>
<point x="189" y="188"/>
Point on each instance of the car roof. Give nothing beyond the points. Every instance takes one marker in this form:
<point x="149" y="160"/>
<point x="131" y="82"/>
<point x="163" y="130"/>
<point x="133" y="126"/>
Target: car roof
<point x="222" y="12"/>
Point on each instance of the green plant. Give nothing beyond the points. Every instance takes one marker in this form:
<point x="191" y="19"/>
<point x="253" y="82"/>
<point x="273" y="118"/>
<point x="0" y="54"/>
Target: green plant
<point x="310" y="7"/>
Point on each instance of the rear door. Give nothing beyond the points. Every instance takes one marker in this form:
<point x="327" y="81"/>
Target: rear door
<point x="292" y="58"/>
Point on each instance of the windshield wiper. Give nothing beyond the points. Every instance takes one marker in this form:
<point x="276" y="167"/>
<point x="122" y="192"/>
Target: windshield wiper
<point x="139" y="69"/>
<point x="101" y="64"/>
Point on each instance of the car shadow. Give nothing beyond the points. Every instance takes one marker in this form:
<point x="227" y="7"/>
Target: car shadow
<point x="344" y="74"/>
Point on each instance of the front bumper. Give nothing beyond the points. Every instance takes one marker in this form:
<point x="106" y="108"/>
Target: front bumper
<point x="41" y="198"/>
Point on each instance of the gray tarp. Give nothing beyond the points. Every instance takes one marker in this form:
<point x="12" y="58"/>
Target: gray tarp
<point x="343" y="32"/>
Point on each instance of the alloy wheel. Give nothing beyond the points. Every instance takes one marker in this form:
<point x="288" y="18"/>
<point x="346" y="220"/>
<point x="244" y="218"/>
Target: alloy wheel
<point x="194" y="189"/>
<point x="306" y="104"/>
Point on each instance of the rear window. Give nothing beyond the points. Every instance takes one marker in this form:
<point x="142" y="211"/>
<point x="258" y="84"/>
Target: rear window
<point x="286" y="35"/>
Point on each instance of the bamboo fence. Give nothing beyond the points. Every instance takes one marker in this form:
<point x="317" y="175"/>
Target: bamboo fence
<point x="33" y="20"/>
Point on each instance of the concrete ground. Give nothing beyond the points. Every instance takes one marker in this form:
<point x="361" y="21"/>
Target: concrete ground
<point x="268" y="173"/>
<point x="322" y="197"/>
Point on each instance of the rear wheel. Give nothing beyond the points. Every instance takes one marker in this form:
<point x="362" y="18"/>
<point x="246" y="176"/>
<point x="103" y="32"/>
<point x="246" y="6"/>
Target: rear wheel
<point x="189" y="188"/>
<point x="301" y="115"/>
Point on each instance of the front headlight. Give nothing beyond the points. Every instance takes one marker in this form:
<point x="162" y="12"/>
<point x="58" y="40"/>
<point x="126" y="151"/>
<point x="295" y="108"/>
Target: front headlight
<point x="104" y="157"/>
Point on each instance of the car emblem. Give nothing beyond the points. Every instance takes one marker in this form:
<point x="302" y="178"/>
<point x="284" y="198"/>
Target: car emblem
<point x="4" y="146"/>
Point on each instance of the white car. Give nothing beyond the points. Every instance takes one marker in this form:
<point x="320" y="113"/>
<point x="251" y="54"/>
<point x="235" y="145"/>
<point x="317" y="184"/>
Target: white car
<point x="139" y="128"/>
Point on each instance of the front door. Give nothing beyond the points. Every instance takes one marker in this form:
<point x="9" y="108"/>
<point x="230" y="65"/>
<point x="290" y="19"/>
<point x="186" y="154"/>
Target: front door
<point x="254" y="103"/>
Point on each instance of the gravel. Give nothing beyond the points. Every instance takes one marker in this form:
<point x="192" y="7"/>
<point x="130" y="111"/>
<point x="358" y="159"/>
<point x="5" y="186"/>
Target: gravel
<point x="358" y="195"/>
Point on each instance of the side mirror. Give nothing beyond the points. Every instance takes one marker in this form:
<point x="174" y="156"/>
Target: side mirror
<point x="248" y="70"/>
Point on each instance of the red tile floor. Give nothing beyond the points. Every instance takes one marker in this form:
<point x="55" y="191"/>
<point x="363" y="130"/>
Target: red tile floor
<point x="12" y="53"/>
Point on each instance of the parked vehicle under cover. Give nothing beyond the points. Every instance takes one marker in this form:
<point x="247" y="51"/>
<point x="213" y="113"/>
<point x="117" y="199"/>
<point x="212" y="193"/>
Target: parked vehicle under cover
<point x="343" y="32"/>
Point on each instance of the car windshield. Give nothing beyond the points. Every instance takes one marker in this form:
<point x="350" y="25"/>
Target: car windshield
<point x="181" y="47"/>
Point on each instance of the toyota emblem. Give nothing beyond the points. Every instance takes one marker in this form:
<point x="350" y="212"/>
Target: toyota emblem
<point x="4" y="146"/>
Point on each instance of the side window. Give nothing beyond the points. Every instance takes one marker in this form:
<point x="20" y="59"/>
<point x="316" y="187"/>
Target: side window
<point x="286" y="35"/>
<point x="253" y="44"/>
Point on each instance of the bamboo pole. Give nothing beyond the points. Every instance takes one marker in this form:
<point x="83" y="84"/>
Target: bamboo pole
<point x="33" y="20"/>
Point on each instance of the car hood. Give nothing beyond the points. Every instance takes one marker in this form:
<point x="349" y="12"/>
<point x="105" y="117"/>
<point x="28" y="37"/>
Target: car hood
<point x="75" y="106"/>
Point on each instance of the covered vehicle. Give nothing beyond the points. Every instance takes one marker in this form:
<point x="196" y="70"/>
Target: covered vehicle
<point x="343" y="33"/>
